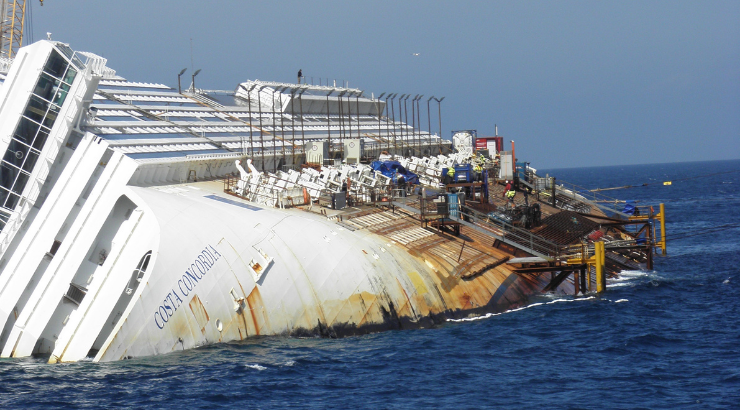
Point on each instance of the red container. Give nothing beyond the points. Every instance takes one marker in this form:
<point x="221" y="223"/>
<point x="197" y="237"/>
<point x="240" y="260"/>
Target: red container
<point x="486" y="142"/>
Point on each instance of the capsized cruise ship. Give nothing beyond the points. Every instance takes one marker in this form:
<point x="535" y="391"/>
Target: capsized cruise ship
<point x="138" y="219"/>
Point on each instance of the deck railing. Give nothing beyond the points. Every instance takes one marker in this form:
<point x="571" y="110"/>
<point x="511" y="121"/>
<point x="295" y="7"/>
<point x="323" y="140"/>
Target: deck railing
<point x="510" y="234"/>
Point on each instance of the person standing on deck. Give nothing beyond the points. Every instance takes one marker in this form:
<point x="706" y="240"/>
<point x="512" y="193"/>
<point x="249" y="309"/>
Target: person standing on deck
<point x="300" y="75"/>
<point x="401" y="182"/>
<point x="510" y="196"/>
<point x="450" y="178"/>
<point x="477" y="170"/>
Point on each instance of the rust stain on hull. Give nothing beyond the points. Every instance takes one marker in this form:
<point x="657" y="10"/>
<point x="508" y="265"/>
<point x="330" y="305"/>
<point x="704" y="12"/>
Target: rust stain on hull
<point x="257" y="311"/>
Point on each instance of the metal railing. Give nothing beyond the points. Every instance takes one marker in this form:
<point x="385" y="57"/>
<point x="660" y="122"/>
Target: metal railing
<point x="510" y="234"/>
<point x="583" y="195"/>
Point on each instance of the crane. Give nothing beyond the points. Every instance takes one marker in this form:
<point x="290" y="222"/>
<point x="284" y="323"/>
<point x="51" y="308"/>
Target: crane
<point x="12" y="25"/>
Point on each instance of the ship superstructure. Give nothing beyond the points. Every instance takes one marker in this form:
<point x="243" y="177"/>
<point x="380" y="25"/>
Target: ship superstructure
<point x="138" y="219"/>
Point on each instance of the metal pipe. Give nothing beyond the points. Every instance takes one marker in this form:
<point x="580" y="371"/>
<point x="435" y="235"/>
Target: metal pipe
<point x="413" y="120"/>
<point x="262" y="140"/>
<point x="179" y="90"/>
<point x="406" y="114"/>
<point x="292" y="124"/>
<point x="251" y="127"/>
<point x="328" y="121"/>
<point x="429" y="125"/>
<point x="300" y="106"/>
<point x="513" y="160"/>
<point x="393" y="113"/>
<point x="377" y="109"/>
<point x="194" y="74"/>
<point x="387" y="124"/>
<point x="282" y="125"/>
<point x="357" y="106"/>
<point x="418" y="123"/>
<point x="349" y="123"/>
<point x="274" y="132"/>
<point x="400" y="122"/>
<point x="342" y="130"/>
<point x="439" y="115"/>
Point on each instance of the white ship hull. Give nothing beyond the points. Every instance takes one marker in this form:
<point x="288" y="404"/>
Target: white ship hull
<point x="114" y="251"/>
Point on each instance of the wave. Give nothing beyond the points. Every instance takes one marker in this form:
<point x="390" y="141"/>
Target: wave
<point x="488" y="315"/>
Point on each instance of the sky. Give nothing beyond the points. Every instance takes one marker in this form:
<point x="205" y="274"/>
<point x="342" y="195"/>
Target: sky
<point x="574" y="83"/>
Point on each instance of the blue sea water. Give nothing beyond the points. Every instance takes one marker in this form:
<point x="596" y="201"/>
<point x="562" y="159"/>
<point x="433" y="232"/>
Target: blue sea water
<point x="667" y="338"/>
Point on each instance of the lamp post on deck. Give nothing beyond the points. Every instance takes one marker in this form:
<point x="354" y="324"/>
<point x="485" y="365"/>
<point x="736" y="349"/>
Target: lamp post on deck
<point x="418" y="122"/>
<point x="387" y="123"/>
<point x="179" y="89"/>
<point x="406" y="115"/>
<point x="393" y="114"/>
<point x="193" y="78"/>
<point x="377" y="108"/>
<point x="439" y="115"/>
<point x="429" y="124"/>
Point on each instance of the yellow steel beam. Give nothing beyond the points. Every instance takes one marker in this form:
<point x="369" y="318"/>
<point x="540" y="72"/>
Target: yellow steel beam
<point x="600" y="255"/>
<point x="598" y="260"/>
<point x="661" y="218"/>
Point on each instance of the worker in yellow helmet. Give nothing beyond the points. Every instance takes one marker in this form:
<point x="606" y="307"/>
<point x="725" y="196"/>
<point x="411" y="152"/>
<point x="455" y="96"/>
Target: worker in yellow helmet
<point x="510" y="194"/>
<point x="450" y="177"/>
<point x="477" y="169"/>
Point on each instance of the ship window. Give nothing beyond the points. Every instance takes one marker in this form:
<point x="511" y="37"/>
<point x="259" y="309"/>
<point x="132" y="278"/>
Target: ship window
<point x="51" y="116"/>
<point x="26" y="130"/>
<point x="64" y="49"/>
<point x="61" y="94"/>
<point x="7" y="175"/>
<point x="69" y="78"/>
<point x="55" y="65"/>
<point x="20" y="183"/>
<point x="30" y="161"/>
<point x="36" y="109"/>
<point x="33" y="128"/>
<point x="145" y="264"/>
<point x="12" y="201"/>
<point x="16" y="153"/>
<point x="138" y="274"/>
<point x="51" y="89"/>
<point x="3" y="195"/>
<point x="45" y="87"/>
<point x="38" y="143"/>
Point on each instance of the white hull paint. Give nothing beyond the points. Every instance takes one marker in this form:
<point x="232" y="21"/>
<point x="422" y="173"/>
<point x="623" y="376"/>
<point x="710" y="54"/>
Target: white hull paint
<point x="115" y="251"/>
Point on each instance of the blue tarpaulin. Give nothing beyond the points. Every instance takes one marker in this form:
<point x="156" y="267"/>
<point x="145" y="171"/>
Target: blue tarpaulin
<point x="389" y="169"/>
<point x="629" y="207"/>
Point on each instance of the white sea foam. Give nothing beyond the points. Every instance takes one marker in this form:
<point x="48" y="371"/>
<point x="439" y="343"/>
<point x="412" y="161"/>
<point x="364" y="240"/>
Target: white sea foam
<point x="621" y="300"/>
<point x="290" y="363"/>
<point x="627" y="278"/>
<point x="487" y="315"/>
<point x="618" y="284"/>
<point x="629" y="274"/>
<point x="256" y="367"/>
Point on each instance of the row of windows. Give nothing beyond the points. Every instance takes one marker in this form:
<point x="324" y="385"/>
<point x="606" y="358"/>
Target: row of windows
<point x="33" y="128"/>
